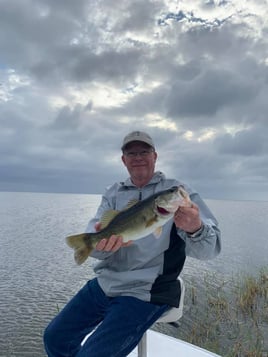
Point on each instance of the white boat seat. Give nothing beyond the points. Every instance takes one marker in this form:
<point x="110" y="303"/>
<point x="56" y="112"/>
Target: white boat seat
<point x="172" y="315"/>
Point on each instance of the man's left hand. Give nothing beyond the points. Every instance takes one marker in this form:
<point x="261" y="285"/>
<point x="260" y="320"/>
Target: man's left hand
<point x="188" y="219"/>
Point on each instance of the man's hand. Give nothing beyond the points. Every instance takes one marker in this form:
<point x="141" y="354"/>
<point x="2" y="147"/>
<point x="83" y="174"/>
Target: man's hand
<point x="188" y="219"/>
<point x="111" y="244"/>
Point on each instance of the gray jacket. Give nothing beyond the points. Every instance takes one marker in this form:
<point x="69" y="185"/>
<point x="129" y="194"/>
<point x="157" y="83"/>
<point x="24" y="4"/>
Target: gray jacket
<point x="149" y="267"/>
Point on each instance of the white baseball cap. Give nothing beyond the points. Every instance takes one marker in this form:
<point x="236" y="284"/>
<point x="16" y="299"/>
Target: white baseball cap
<point x="137" y="136"/>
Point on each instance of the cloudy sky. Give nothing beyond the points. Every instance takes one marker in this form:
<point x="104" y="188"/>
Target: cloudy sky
<point x="76" y="76"/>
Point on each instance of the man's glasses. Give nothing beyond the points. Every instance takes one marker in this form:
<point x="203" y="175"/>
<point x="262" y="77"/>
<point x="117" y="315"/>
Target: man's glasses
<point x="143" y="153"/>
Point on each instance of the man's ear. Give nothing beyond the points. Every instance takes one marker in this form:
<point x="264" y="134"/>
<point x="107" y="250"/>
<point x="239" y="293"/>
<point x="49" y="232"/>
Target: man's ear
<point x="123" y="159"/>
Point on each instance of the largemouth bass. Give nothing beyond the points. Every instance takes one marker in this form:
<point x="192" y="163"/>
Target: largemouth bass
<point x="137" y="220"/>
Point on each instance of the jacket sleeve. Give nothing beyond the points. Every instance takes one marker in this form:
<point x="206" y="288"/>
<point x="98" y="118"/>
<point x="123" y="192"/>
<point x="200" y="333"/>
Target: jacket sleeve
<point x="206" y="245"/>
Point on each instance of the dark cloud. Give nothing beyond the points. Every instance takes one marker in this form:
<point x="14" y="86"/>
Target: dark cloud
<point x="242" y="143"/>
<point x="76" y="76"/>
<point x="207" y="94"/>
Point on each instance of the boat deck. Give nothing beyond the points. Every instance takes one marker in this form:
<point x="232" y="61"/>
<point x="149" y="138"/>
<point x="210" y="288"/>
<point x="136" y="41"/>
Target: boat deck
<point x="160" y="345"/>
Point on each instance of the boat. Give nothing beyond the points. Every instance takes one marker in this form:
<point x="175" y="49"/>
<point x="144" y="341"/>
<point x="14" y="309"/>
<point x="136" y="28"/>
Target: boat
<point x="160" y="345"/>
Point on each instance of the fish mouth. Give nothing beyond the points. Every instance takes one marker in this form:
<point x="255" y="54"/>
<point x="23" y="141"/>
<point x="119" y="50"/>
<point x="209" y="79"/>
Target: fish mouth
<point x="162" y="211"/>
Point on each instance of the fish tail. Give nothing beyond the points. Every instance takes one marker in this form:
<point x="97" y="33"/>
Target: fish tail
<point x="82" y="246"/>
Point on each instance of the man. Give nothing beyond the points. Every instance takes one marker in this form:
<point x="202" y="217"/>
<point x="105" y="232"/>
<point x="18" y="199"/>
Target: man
<point x="136" y="281"/>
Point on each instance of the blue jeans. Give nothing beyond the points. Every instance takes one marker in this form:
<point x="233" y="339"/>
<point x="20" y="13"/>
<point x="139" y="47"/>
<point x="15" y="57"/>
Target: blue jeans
<point x="121" y="323"/>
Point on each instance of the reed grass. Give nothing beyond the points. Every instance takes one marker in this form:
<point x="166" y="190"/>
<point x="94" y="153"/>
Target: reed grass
<point x="227" y="316"/>
<point x="231" y="317"/>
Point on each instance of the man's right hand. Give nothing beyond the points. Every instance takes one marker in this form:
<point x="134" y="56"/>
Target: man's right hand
<point x="111" y="244"/>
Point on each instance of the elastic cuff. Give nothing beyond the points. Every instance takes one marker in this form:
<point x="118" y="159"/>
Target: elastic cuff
<point x="196" y="233"/>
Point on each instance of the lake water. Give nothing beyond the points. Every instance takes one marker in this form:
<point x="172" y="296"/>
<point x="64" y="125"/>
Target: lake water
<point x="38" y="274"/>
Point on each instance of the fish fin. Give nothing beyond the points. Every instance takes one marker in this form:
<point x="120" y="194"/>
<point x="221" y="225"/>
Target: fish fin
<point x="107" y="217"/>
<point x="158" y="232"/>
<point x="82" y="249"/>
<point x="131" y="203"/>
<point x="151" y="221"/>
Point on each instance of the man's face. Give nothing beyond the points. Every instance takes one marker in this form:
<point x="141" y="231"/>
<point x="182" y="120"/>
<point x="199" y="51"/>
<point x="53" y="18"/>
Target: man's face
<point x="139" y="159"/>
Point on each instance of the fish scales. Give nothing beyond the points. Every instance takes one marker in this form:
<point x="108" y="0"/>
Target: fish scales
<point x="127" y="222"/>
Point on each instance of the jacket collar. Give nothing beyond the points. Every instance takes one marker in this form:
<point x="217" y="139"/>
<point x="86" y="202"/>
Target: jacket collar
<point x="157" y="177"/>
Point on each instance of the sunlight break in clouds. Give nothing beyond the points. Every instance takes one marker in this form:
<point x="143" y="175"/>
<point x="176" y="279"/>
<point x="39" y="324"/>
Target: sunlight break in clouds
<point x="207" y="134"/>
